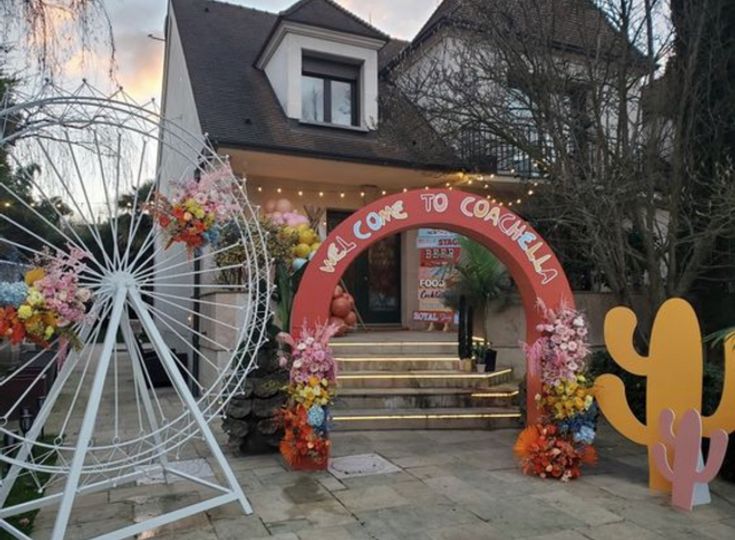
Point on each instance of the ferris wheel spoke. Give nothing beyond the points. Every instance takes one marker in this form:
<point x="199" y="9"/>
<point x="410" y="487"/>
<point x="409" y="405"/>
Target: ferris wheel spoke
<point x="45" y="220"/>
<point x="163" y="315"/>
<point x="90" y="345"/>
<point x="159" y="314"/>
<point x="190" y="311"/>
<point x="105" y="190"/>
<point x="164" y="268"/>
<point x="157" y="294"/>
<point x="151" y="238"/>
<point x="150" y="280"/>
<point x="92" y="230"/>
<point x="134" y="211"/>
<point x="141" y="379"/>
<point x="40" y="239"/>
<point x="71" y="198"/>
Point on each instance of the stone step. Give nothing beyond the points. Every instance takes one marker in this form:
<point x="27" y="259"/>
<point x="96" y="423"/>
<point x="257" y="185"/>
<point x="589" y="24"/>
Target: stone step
<point x="422" y="379"/>
<point x="505" y="395"/>
<point x="375" y="347"/>
<point x="397" y="363"/>
<point x="450" y="418"/>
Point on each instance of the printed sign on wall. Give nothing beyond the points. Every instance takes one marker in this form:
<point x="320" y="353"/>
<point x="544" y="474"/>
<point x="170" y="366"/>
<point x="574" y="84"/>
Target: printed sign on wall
<point x="439" y="251"/>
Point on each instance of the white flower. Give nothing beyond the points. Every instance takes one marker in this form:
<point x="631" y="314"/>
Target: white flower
<point x="301" y="346"/>
<point x="579" y="321"/>
<point x="83" y="295"/>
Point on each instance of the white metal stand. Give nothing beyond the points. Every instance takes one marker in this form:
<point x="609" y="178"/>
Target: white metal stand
<point x="125" y="292"/>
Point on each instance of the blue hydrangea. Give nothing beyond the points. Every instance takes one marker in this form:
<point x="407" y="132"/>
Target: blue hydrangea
<point x="581" y="426"/>
<point x="12" y="293"/>
<point x="316" y="416"/>
<point x="212" y="235"/>
<point x="585" y="435"/>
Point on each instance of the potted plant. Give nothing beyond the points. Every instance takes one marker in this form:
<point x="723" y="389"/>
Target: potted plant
<point x="483" y="281"/>
<point x="478" y="354"/>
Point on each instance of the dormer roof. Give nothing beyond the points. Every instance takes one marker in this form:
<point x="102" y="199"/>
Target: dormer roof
<point x="330" y="15"/>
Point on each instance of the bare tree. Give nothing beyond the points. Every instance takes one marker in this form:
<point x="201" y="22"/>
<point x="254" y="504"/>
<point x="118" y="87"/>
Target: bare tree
<point x="48" y="33"/>
<point x="579" y="90"/>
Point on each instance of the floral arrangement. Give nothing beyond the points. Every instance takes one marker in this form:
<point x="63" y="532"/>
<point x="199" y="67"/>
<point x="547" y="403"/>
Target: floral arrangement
<point x="547" y="452"/>
<point x="312" y="379"/>
<point x="294" y="231"/>
<point x="197" y="210"/>
<point x="559" y="445"/>
<point x="47" y="303"/>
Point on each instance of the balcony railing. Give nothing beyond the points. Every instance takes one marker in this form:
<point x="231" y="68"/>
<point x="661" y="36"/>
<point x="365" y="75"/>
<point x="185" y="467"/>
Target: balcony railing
<point x="481" y="149"/>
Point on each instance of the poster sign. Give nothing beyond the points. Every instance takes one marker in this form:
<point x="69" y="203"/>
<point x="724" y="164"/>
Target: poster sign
<point x="439" y="251"/>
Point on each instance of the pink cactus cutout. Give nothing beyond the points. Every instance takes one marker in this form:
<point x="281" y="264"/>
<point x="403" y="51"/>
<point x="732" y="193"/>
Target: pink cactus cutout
<point x="686" y="443"/>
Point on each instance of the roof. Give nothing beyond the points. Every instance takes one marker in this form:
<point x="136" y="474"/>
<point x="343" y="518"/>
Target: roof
<point x="330" y="15"/>
<point x="570" y="24"/>
<point x="238" y="108"/>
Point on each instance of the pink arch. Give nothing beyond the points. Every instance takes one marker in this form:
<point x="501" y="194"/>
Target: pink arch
<point x="530" y="261"/>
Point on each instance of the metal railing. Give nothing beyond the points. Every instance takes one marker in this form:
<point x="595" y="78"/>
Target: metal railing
<point x="481" y="149"/>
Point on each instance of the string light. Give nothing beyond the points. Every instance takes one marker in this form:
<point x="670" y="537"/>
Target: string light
<point x="449" y="186"/>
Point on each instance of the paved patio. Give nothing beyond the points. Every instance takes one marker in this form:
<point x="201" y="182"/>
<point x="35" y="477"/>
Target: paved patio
<point x="452" y="485"/>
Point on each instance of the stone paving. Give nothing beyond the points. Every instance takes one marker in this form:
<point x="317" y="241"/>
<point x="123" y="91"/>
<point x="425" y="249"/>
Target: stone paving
<point x="452" y="485"/>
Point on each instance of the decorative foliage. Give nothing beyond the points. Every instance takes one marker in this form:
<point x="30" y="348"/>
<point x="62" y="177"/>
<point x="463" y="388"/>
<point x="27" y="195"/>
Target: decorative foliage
<point x="197" y="210"/>
<point x="48" y="303"/>
<point x="481" y="278"/>
<point x="561" y="443"/>
<point x="673" y="369"/>
<point x="683" y="472"/>
<point x="313" y="374"/>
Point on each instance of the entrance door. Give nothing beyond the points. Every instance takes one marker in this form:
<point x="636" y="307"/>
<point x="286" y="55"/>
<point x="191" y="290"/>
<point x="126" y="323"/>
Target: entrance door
<point x="374" y="278"/>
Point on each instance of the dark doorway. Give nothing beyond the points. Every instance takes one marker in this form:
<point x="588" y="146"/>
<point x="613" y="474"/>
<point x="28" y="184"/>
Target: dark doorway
<point x="374" y="278"/>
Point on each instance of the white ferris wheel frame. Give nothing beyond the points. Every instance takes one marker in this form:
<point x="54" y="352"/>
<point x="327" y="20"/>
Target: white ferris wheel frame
<point x="122" y="291"/>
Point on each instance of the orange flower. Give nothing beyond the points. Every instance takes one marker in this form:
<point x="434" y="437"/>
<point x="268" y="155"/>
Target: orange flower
<point x="589" y="455"/>
<point x="526" y="440"/>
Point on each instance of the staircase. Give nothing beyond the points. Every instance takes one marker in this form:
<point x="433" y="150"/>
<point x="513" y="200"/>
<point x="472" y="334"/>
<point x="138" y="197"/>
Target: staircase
<point x="412" y="380"/>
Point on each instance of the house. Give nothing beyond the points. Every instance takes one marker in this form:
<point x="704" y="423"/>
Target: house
<point x="296" y="100"/>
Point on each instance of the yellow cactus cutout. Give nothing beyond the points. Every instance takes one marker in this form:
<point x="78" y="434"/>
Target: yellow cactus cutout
<point x="673" y="369"/>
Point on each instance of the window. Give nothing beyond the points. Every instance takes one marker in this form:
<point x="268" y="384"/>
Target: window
<point x="329" y="92"/>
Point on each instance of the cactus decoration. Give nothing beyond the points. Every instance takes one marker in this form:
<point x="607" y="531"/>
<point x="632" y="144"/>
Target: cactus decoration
<point x="683" y="471"/>
<point x="673" y="368"/>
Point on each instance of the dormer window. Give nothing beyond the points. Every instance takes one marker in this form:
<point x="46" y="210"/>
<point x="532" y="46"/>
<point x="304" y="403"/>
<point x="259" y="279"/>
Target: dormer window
<point x="329" y="90"/>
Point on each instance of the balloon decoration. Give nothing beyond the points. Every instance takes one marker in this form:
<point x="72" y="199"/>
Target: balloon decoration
<point x="295" y="227"/>
<point x="342" y="311"/>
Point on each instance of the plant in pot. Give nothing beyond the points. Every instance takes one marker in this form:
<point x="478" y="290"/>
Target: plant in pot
<point x="478" y="355"/>
<point x="484" y="282"/>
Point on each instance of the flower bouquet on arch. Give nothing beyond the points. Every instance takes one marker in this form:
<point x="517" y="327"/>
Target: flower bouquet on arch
<point x="311" y="390"/>
<point x="561" y="443"/>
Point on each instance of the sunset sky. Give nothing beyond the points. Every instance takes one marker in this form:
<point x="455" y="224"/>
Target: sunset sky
<point x="139" y="58"/>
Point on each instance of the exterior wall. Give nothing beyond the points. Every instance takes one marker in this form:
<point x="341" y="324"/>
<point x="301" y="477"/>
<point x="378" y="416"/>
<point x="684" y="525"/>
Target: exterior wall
<point x="283" y="68"/>
<point x="177" y="159"/>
